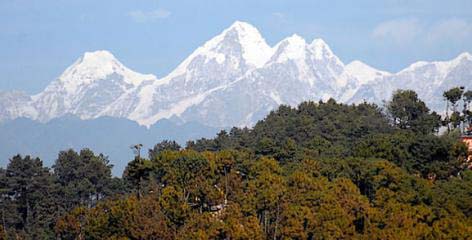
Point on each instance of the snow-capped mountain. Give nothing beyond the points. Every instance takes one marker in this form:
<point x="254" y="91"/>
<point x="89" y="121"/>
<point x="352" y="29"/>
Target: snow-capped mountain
<point x="15" y="104"/>
<point x="296" y="71"/>
<point x="88" y="88"/>
<point x="428" y="79"/>
<point x="234" y="79"/>
<point x="223" y="59"/>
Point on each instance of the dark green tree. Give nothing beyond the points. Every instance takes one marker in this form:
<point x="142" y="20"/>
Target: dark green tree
<point x="467" y="113"/>
<point x="28" y="206"/>
<point x="165" y="145"/>
<point x="85" y="178"/>
<point x="137" y="175"/>
<point x="452" y="97"/>
<point x="407" y="111"/>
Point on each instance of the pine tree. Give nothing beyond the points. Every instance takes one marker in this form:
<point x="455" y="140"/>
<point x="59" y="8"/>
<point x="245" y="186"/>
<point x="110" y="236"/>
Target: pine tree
<point x="453" y="96"/>
<point x="85" y="178"/>
<point x="28" y="198"/>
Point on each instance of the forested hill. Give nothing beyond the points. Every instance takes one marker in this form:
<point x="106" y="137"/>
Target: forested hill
<point x="332" y="130"/>
<point x="318" y="171"/>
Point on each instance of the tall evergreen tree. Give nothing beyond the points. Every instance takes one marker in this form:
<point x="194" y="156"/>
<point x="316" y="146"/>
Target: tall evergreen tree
<point x="28" y="206"/>
<point x="84" y="177"/>
<point x="407" y="111"/>
<point x="466" y="111"/>
<point x="452" y="97"/>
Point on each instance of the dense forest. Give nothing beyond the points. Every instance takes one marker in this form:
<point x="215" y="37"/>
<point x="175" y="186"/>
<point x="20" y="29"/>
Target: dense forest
<point x="322" y="170"/>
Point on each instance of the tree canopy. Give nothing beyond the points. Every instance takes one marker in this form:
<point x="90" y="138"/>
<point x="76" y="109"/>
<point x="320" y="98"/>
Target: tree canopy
<point x="321" y="170"/>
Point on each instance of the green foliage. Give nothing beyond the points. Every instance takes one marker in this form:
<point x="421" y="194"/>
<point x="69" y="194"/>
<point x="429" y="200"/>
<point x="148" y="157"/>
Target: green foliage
<point x="84" y="178"/>
<point x="418" y="153"/>
<point x="27" y="199"/>
<point x="332" y="130"/>
<point x="453" y="95"/>
<point x="457" y="117"/>
<point x="344" y="199"/>
<point x="316" y="129"/>
<point x="165" y="145"/>
<point x="409" y="112"/>
<point x="33" y="196"/>
<point x="468" y="96"/>
<point x="137" y="175"/>
<point x="128" y="218"/>
<point x="319" y="171"/>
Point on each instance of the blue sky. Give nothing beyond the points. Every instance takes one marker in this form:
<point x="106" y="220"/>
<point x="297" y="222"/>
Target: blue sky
<point x="40" y="38"/>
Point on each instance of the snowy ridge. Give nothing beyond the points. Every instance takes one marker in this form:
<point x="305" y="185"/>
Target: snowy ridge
<point x="228" y="56"/>
<point x="97" y="65"/>
<point x="90" y="85"/>
<point x="321" y="49"/>
<point x="291" y="48"/>
<point x="255" y="49"/>
<point x="364" y="72"/>
<point x="233" y="79"/>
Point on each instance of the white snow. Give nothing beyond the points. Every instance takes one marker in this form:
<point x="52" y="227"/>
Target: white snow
<point x="176" y="110"/>
<point x="276" y="97"/>
<point x="413" y="67"/>
<point x="445" y="66"/>
<point x="179" y="107"/>
<point x="93" y="66"/>
<point x="291" y="48"/>
<point x="442" y="67"/>
<point x="363" y="72"/>
<point x="255" y="49"/>
<point x="321" y="49"/>
<point x="237" y="61"/>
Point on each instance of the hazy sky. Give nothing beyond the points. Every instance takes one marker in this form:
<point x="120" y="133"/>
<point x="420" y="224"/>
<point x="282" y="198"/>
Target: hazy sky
<point x="40" y="38"/>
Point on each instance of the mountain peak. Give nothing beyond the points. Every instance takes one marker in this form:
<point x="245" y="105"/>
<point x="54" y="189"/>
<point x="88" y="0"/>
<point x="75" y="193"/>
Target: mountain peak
<point x="96" y="59"/>
<point x="319" y="42"/>
<point x="321" y="48"/>
<point x="99" y="54"/>
<point x="295" y="39"/>
<point x="290" y="48"/>
<point x="464" y="55"/>
<point x="442" y="66"/>
<point x="254" y="49"/>
<point x="96" y="65"/>
<point x="236" y="68"/>
<point x="242" y="26"/>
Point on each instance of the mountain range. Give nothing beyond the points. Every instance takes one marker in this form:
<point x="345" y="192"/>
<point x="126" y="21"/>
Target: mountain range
<point x="234" y="79"/>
